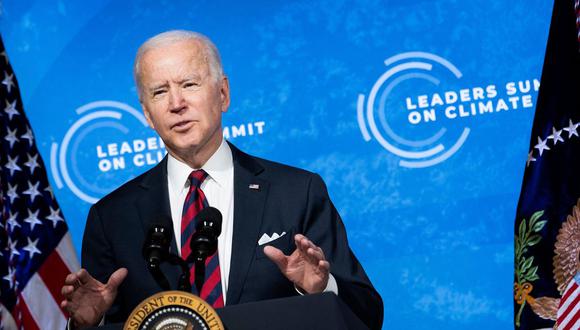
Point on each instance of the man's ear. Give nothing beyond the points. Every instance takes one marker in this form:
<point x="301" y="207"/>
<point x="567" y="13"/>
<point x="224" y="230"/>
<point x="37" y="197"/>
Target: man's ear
<point x="147" y="116"/>
<point x="225" y="93"/>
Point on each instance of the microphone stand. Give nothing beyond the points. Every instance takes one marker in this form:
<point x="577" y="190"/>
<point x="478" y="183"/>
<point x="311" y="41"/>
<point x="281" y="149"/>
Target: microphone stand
<point x="199" y="271"/>
<point x="159" y="277"/>
<point x="183" y="281"/>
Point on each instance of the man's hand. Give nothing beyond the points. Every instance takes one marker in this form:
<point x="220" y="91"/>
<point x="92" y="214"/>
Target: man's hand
<point x="306" y="267"/>
<point x="86" y="299"/>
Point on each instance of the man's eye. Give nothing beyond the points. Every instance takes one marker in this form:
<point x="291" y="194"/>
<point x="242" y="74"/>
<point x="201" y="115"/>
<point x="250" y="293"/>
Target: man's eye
<point x="190" y="85"/>
<point x="158" y="92"/>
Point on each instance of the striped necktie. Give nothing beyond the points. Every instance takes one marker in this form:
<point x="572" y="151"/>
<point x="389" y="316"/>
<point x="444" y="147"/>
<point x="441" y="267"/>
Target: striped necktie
<point x="195" y="201"/>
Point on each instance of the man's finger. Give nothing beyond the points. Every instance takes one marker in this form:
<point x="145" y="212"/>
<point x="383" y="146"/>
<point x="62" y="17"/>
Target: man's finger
<point x="315" y="254"/>
<point x="301" y="243"/>
<point x="301" y="240"/>
<point x="64" y="305"/>
<point x="83" y="276"/>
<point x="117" y="278"/>
<point x="310" y="251"/>
<point x="277" y="257"/>
<point x="299" y="236"/>
<point x="304" y="243"/>
<point x="70" y="279"/>
<point x="324" y="266"/>
<point x="67" y="290"/>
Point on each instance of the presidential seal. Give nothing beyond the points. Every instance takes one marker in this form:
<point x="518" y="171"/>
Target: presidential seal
<point x="173" y="310"/>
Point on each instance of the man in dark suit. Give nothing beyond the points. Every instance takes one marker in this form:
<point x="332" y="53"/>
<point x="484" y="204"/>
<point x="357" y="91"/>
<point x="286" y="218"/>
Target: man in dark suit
<point x="281" y="234"/>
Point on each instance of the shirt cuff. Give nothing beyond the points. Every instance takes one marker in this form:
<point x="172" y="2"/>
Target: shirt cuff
<point x="70" y="327"/>
<point x="331" y="286"/>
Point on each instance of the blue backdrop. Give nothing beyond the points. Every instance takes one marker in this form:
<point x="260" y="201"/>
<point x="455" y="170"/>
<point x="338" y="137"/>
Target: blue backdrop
<point x="416" y="114"/>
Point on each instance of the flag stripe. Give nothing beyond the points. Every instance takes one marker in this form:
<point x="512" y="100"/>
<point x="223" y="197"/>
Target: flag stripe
<point x="68" y="253"/>
<point x="568" y="305"/>
<point x="7" y="319"/>
<point x="27" y="321"/>
<point x="42" y="306"/>
<point x="53" y="272"/>
<point x="570" y="310"/>
<point x="570" y="289"/>
<point x="574" y="323"/>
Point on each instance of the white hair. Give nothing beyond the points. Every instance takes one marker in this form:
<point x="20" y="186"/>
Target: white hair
<point x="164" y="39"/>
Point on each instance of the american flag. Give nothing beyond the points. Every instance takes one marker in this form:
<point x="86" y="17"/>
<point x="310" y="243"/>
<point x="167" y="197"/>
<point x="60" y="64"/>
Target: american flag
<point x="569" y="309"/>
<point x="36" y="252"/>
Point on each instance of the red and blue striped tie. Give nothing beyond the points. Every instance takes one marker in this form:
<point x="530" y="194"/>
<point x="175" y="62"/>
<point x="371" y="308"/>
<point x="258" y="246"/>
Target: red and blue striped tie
<point x="195" y="201"/>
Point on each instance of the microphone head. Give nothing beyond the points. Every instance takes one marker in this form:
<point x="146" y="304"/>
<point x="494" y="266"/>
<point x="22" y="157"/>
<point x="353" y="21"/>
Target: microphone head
<point x="209" y="218"/>
<point x="208" y="227"/>
<point x="156" y="246"/>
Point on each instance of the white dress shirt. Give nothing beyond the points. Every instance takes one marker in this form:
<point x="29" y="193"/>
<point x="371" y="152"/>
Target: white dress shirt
<point x="218" y="188"/>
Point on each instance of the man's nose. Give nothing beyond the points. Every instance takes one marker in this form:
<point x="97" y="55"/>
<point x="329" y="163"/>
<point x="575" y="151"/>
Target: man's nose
<point x="176" y="100"/>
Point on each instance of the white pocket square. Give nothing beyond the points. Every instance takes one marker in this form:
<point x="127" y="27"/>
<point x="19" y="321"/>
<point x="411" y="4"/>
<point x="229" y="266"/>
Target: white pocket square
<point x="267" y="238"/>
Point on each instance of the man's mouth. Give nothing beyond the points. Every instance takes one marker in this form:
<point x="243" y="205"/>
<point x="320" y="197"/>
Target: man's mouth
<point x="182" y="125"/>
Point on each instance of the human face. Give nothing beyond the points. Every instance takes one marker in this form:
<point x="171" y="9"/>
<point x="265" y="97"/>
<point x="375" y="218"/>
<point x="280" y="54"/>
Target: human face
<point x="182" y="101"/>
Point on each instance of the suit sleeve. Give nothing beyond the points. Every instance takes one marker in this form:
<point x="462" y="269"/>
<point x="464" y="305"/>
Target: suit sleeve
<point x="325" y="228"/>
<point x="97" y="257"/>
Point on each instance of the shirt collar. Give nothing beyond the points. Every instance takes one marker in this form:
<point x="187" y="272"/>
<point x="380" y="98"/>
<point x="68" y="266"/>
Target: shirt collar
<point x="217" y="167"/>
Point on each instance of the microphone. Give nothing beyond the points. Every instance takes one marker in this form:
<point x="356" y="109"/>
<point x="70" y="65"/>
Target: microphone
<point x="156" y="247"/>
<point x="155" y="251"/>
<point x="204" y="241"/>
<point x="208" y="227"/>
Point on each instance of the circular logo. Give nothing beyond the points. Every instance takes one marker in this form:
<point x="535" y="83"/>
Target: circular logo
<point x="173" y="310"/>
<point x="384" y="114"/>
<point x="107" y="145"/>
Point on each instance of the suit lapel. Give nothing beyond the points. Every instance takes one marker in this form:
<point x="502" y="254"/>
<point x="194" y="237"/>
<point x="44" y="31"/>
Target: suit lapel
<point x="153" y="209"/>
<point x="249" y="199"/>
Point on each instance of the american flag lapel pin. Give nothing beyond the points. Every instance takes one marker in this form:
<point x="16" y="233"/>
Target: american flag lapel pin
<point x="254" y="186"/>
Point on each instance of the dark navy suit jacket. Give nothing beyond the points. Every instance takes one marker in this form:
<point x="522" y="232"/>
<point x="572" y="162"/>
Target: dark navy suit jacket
<point x="288" y="199"/>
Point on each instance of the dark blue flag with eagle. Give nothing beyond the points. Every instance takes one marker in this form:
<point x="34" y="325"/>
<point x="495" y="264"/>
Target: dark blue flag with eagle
<point x="547" y="228"/>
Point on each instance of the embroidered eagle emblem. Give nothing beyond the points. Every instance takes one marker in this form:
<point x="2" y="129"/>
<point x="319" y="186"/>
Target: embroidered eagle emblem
<point x="566" y="264"/>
